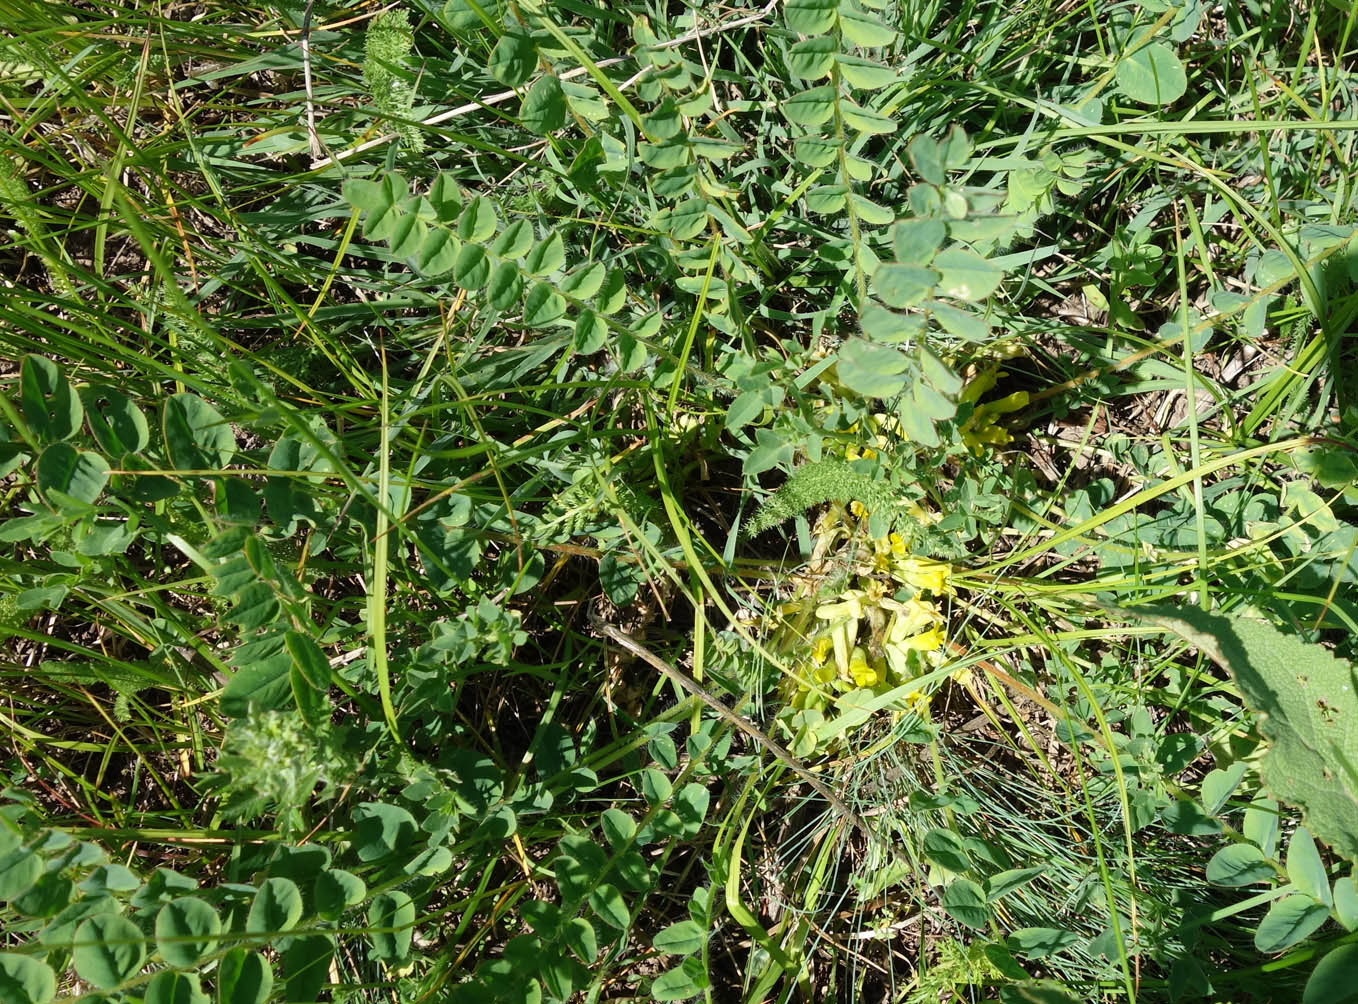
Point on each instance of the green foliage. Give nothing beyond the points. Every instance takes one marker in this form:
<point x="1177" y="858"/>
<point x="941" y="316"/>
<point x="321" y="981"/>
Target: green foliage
<point x="271" y="763"/>
<point x="318" y="477"/>
<point x="387" y="46"/>
<point x="100" y="924"/>
<point x="821" y="481"/>
<point x="1306" y="703"/>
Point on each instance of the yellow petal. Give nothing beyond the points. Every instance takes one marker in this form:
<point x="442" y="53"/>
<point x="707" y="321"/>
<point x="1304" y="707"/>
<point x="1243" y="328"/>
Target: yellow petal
<point x="926" y="641"/>
<point x="820" y="649"/>
<point x="862" y="674"/>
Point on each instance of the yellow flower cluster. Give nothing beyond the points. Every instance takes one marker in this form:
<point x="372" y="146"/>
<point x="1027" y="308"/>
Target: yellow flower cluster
<point x="982" y="428"/>
<point x="874" y="635"/>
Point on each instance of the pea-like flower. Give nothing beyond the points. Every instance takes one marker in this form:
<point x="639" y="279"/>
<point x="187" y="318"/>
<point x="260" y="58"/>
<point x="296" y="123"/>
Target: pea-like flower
<point x="982" y="428"/>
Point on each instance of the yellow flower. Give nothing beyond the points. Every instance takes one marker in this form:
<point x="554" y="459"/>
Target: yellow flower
<point x="981" y="429"/>
<point x="862" y="674"/>
<point x="913" y="617"/>
<point x="915" y="626"/>
<point x="820" y="649"/>
<point x="918" y="702"/>
<point x="843" y="618"/>
<point x="925" y="641"/>
<point x="922" y="574"/>
<point x="849" y="606"/>
<point x="822" y="670"/>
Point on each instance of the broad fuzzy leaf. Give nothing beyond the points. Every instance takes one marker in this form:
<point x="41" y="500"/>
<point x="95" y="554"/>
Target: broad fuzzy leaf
<point x="1307" y="702"/>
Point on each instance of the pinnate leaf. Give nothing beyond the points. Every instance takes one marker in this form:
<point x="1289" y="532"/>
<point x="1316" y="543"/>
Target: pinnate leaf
<point x="171" y="987"/>
<point x="965" y="274"/>
<point x="870" y="212"/>
<point x="945" y="848"/>
<point x="812" y="58"/>
<point x="965" y="902"/>
<point x="506" y="286"/>
<point x="472" y="269"/>
<point x="1345" y="896"/>
<point x="544" y="106"/>
<point x="437" y="253"/>
<point x="812" y="107"/>
<point x="866" y="74"/>
<point x="817" y="151"/>
<point x="77" y="474"/>
<point x="1239" y="864"/>
<point x="1039" y="942"/>
<point x="306" y="966"/>
<point x="514" y="240"/>
<point x="872" y="370"/>
<point x="394" y="913"/>
<point x="1291" y="919"/>
<point x="591" y="333"/>
<point x="610" y="907"/>
<point x="862" y="28"/>
<point x="1334" y="979"/>
<point x="277" y="907"/>
<point x="866" y="121"/>
<point x="682" y="938"/>
<point x="548" y="255"/>
<point x="903" y="285"/>
<point x="926" y="156"/>
<point x="379" y="200"/>
<point x="1306" y="869"/>
<point x="196" y="435"/>
<point x="584" y="282"/>
<point x="825" y="199"/>
<point x="917" y="241"/>
<point x="542" y="306"/>
<point x="688" y="979"/>
<point x="337" y="890"/>
<point x="478" y="221"/>
<point x="118" y="425"/>
<point x="51" y="405"/>
<point x="265" y="684"/>
<point x="19" y="869"/>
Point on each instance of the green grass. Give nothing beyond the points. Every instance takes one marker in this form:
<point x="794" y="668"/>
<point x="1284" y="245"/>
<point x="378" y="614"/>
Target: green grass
<point x="332" y="478"/>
